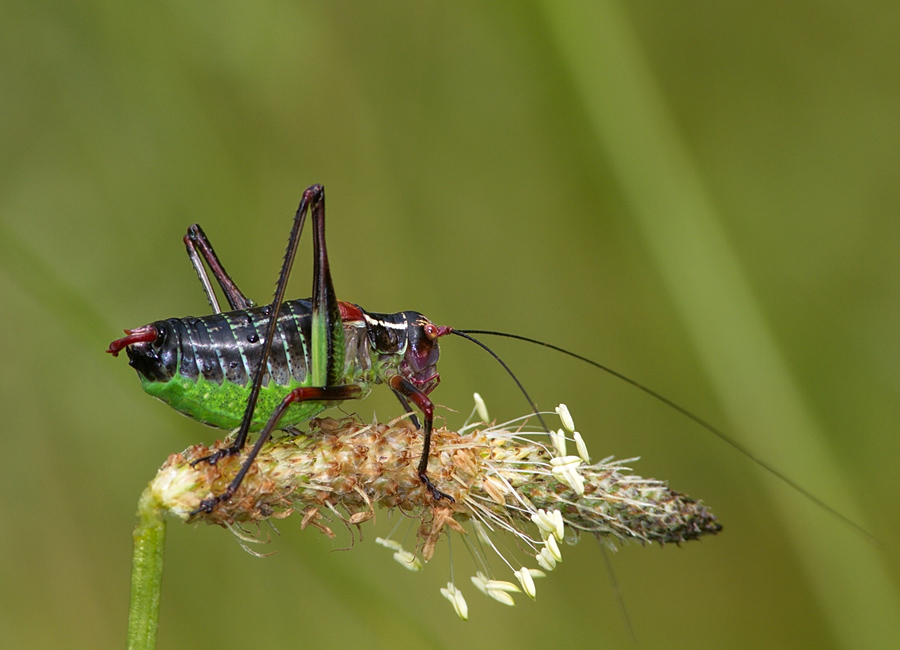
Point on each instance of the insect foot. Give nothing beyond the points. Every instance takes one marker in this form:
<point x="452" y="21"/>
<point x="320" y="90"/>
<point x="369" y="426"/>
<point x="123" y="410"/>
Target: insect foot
<point x="505" y="479"/>
<point x="216" y="456"/>
<point x="436" y="494"/>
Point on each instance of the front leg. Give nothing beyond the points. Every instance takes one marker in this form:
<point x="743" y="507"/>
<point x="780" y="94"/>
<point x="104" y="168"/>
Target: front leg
<point x="403" y="387"/>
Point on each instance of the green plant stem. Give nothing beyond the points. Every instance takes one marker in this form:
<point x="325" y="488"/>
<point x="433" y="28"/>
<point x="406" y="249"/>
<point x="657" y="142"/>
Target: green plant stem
<point x="146" y="574"/>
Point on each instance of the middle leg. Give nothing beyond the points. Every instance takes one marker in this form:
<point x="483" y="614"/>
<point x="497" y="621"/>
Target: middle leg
<point x="301" y="394"/>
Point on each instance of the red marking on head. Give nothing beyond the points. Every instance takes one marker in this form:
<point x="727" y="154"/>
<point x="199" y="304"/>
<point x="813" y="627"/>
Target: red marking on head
<point x="349" y="311"/>
<point x="145" y="334"/>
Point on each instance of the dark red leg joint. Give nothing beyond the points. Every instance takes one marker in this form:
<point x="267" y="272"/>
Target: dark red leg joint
<point x="403" y="387"/>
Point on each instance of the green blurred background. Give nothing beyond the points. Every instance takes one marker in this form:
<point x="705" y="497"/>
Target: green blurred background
<point x="702" y="195"/>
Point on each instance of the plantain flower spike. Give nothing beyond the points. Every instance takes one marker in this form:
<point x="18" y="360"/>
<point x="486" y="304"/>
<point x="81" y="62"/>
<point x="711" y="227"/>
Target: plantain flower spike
<point x="505" y="479"/>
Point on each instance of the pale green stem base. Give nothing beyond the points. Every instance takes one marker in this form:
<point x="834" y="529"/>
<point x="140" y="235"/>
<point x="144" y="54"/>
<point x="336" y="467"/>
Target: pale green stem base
<point x="146" y="574"/>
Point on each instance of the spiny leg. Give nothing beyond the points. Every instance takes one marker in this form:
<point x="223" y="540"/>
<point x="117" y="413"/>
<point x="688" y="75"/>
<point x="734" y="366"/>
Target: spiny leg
<point x="198" y="245"/>
<point x="302" y="394"/>
<point x="327" y="326"/>
<point x="404" y="388"/>
<point x="313" y="195"/>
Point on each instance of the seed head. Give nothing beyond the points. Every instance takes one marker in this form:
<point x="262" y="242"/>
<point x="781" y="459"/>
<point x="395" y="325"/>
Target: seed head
<point x="502" y="479"/>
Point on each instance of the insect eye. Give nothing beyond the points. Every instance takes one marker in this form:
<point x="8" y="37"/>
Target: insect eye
<point x="433" y="332"/>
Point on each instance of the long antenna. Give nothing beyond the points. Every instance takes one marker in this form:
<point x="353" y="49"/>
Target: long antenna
<point x="665" y="400"/>
<point x="506" y="368"/>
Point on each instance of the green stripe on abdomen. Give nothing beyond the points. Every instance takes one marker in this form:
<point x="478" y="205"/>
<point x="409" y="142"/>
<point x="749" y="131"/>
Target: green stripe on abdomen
<point x="222" y="405"/>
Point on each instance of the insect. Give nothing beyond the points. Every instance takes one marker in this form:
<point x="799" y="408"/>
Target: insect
<point x="261" y="368"/>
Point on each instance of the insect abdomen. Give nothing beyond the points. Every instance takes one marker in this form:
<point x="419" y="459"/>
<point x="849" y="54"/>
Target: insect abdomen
<point x="215" y="359"/>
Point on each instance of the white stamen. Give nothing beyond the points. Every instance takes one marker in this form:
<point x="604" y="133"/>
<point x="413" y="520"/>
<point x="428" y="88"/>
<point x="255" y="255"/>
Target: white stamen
<point x="481" y="532"/>
<point x="501" y="597"/>
<point x="552" y="547"/>
<point x="454" y="595"/>
<point x="389" y="543"/>
<point x="408" y="561"/>
<point x="546" y="560"/>
<point x="581" y="447"/>
<point x="481" y="408"/>
<point x="559" y="528"/>
<point x="496" y="589"/>
<point x="563" y="412"/>
<point x="544" y="522"/>
<point x="501" y="585"/>
<point x="568" y="475"/>
<point x="565" y="469"/>
<point x="559" y="441"/>
<point x="576" y="480"/>
<point x="525" y="579"/>
<point x="564" y="460"/>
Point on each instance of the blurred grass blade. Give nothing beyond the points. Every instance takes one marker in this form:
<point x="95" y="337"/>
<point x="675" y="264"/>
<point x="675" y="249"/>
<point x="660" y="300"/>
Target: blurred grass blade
<point x="628" y="118"/>
<point x="46" y="285"/>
